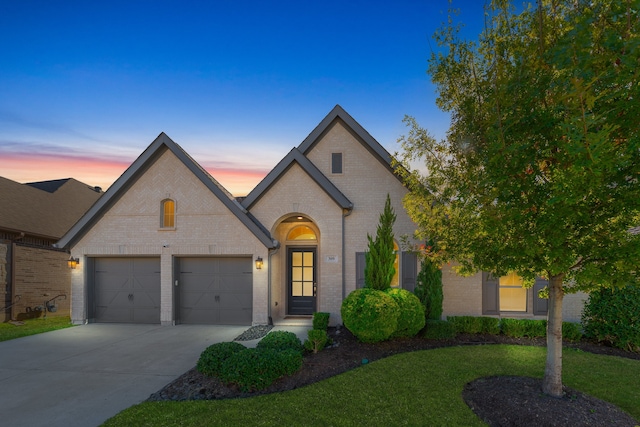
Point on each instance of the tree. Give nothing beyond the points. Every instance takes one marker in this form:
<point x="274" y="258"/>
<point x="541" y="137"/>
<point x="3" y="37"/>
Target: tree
<point x="539" y="171"/>
<point x="380" y="258"/>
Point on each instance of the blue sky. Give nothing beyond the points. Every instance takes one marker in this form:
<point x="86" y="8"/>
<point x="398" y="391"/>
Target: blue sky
<point x="86" y="86"/>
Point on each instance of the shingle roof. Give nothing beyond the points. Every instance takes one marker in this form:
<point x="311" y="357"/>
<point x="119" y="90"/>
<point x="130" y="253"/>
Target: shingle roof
<point x="47" y="209"/>
<point x="138" y="167"/>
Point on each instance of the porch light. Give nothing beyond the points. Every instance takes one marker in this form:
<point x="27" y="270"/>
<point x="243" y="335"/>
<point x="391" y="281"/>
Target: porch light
<point x="259" y="263"/>
<point x="73" y="262"/>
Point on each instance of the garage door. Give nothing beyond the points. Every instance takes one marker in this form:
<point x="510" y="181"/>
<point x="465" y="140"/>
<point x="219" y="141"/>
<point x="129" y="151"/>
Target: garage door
<point x="127" y="290"/>
<point x="216" y="291"/>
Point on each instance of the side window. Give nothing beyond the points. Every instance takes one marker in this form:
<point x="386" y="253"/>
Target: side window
<point x="406" y="270"/>
<point x="336" y="163"/>
<point x="506" y="294"/>
<point x="167" y="214"/>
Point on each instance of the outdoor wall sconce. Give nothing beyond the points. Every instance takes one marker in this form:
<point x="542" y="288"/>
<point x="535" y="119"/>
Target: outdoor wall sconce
<point x="259" y="263"/>
<point x="73" y="262"/>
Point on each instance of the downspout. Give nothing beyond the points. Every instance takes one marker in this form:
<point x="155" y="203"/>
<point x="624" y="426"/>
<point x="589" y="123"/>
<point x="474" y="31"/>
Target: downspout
<point x="271" y="253"/>
<point x="345" y="213"/>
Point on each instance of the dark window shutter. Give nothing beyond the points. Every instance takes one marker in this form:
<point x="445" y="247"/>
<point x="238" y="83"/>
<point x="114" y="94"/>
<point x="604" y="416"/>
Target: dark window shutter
<point x="360" y="261"/>
<point x="490" y="302"/>
<point x="540" y="305"/>
<point x="409" y="270"/>
<point x="336" y="162"/>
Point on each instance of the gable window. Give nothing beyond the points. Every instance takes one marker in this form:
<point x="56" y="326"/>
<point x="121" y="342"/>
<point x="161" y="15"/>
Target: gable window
<point x="336" y="163"/>
<point x="168" y="214"/>
<point x="302" y="232"/>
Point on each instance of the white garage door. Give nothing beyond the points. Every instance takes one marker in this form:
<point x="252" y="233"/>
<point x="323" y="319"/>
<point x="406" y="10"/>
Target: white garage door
<point x="215" y="291"/>
<point x="127" y="290"/>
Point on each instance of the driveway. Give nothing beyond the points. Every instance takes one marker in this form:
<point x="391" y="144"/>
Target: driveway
<point x="83" y="375"/>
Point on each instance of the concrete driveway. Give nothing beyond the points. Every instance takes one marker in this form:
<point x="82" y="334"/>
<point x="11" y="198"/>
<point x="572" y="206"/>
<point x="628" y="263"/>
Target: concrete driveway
<point x="83" y="375"/>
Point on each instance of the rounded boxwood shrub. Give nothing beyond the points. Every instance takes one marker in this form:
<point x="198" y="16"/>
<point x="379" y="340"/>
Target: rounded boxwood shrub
<point x="257" y="368"/>
<point x="411" y="317"/>
<point x="281" y="340"/>
<point x="439" y="330"/>
<point x="370" y="315"/>
<point x="212" y="357"/>
<point x="613" y="316"/>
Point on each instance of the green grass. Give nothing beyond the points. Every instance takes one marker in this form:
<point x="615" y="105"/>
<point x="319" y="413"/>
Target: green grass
<point x="32" y="327"/>
<point x="419" y="388"/>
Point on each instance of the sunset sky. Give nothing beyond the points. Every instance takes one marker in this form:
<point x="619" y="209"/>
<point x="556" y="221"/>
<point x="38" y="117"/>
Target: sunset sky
<point x="86" y="86"/>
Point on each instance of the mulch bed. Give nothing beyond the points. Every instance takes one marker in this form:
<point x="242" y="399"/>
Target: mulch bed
<point x="499" y="401"/>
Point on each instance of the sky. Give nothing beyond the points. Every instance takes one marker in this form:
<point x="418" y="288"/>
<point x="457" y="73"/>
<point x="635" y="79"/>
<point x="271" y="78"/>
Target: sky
<point x="86" y="86"/>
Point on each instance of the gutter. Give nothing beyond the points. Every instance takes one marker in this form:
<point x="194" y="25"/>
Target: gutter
<point x="272" y="252"/>
<point x="345" y="213"/>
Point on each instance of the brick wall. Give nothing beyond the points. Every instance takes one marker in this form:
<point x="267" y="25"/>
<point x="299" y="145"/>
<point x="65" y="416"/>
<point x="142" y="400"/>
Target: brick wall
<point x="40" y="275"/>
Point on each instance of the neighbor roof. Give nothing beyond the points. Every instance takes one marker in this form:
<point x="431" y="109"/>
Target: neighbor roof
<point x="138" y="167"/>
<point x="45" y="209"/>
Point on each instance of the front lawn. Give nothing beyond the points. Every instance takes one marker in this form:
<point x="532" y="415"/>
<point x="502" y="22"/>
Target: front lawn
<point x="9" y="331"/>
<point x="418" y="388"/>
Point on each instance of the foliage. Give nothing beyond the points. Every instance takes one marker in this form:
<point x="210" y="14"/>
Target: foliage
<point x="446" y="371"/>
<point x="571" y="331"/>
<point x="539" y="172"/>
<point x="518" y="328"/>
<point x="317" y="340"/>
<point x="475" y="325"/>
<point x="257" y="368"/>
<point x="370" y="315"/>
<point x="439" y="330"/>
<point x="429" y="289"/>
<point x="212" y="358"/>
<point x="321" y="320"/>
<point x="380" y="258"/>
<point x="613" y="316"/>
<point x="10" y="331"/>
<point x="411" y="312"/>
<point x="281" y="340"/>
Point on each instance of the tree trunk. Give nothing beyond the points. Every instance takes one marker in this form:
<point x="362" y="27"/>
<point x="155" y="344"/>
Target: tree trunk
<point x="552" y="383"/>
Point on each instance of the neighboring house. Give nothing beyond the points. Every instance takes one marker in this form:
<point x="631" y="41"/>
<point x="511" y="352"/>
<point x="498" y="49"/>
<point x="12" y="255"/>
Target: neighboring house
<point x="168" y="244"/>
<point x="33" y="217"/>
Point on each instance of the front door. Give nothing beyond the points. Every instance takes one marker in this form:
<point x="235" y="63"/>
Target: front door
<point x="302" y="283"/>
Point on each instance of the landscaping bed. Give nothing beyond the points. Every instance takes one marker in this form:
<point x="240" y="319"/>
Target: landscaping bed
<point x="348" y="353"/>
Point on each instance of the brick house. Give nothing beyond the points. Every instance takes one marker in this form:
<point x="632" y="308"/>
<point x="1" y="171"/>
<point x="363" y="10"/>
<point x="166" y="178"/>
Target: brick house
<point x="168" y="244"/>
<point x="34" y="276"/>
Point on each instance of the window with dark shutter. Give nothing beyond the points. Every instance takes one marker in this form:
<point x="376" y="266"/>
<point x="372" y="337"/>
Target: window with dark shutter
<point x="409" y="270"/>
<point x="336" y="162"/>
<point x="489" y="294"/>
<point x="540" y="305"/>
<point x="360" y="261"/>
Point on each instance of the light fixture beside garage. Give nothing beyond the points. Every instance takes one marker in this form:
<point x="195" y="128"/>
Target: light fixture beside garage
<point x="73" y="262"/>
<point x="259" y="263"/>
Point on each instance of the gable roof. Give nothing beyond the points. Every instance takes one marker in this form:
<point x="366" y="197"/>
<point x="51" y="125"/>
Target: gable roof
<point x="369" y="142"/>
<point x="159" y="146"/>
<point x="295" y="156"/>
<point x="45" y="209"/>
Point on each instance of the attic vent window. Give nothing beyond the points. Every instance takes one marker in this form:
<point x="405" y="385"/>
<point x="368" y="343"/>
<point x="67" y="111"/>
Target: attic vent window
<point x="336" y="163"/>
<point x="168" y="214"/>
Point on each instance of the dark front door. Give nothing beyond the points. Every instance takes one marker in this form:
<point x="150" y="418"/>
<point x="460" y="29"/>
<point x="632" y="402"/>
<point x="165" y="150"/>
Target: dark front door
<point x="302" y="283"/>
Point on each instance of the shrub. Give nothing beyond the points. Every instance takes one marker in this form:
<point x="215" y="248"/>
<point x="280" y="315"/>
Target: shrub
<point x="571" y="331"/>
<point x="257" y="368"/>
<point x="475" y="325"/>
<point x="371" y="315"/>
<point x="317" y="340"/>
<point x="411" y="312"/>
<point x="212" y="358"/>
<point x="518" y="328"/>
<point x="429" y="289"/>
<point x="321" y="321"/>
<point x="380" y="257"/>
<point x="281" y="340"/>
<point x="439" y="330"/>
<point x="613" y="316"/>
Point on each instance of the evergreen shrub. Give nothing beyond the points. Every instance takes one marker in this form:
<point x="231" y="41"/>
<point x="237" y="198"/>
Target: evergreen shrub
<point x="370" y="315"/>
<point x="212" y="358"/>
<point x="612" y="316"/>
<point x="257" y="368"/>
<point x="317" y="340"/>
<point x="439" y="330"/>
<point x="429" y="289"/>
<point x="321" y="320"/>
<point x="281" y="340"/>
<point x="411" y="317"/>
<point x="475" y="325"/>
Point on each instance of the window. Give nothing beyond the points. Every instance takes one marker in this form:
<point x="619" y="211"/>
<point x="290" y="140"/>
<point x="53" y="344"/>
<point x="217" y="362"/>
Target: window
<point x="168" y="214"/>
<point x="507" y="295"/>
<point x="302" y="232"/>
<point x="406" y="270"/>
<point x="336" y="163"/>
<point x="513" y="296"/>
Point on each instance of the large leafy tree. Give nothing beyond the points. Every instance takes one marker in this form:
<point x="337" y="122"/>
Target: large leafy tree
<point x="539" y="171"/>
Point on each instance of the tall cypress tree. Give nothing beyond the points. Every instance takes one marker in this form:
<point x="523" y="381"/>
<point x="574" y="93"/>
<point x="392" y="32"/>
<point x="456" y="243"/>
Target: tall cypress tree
<point x="380" y="259"/>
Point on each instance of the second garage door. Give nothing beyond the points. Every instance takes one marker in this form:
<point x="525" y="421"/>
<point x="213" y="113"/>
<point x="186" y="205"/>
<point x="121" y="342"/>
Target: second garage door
<point x="216" y="291"/>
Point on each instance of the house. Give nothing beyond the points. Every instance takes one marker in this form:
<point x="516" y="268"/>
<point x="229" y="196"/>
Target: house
<point x="33" y="217"/>
<point x="168" y="244"/>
